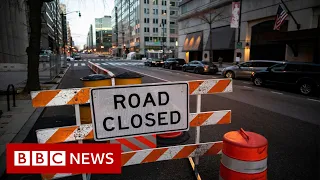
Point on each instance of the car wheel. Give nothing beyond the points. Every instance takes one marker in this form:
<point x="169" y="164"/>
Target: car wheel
<point x="229" y="74"/>
<point x="257" y="81"/>
<point x="306" y="88"/>
<point x="184" y="69"/>
<point x="196" y="71"/>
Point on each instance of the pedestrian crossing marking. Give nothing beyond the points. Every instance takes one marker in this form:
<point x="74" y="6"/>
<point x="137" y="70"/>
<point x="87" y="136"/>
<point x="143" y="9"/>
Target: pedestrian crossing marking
<point x="97" y="64"/>
<point x="83" y="64"/>
<point x="75" y="64"/>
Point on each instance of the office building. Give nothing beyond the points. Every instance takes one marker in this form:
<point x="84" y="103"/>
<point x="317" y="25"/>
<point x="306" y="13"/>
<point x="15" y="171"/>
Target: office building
<point x="51" y="31"/>
<point x="100" y="35"/>
<point x="298" y="39"/>
<point x="146" y="26"/>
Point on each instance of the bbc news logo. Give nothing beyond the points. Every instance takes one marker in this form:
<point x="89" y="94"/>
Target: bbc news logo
<point x="64" y="158"/>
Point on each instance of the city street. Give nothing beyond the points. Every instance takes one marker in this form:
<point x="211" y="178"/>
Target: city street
<point x="289" y="121"/>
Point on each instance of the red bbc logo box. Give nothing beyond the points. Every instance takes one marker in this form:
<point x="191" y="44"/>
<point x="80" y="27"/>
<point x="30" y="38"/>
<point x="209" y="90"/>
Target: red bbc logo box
<point x="63" y="158"/>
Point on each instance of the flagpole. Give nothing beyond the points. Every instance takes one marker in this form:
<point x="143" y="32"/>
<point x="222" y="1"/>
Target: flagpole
<point x="295" y="21"/>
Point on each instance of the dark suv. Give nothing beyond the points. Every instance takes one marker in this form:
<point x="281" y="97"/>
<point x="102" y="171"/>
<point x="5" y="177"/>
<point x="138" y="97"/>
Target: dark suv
<point x="174" y="63"/>
<point x="304" y="76"/>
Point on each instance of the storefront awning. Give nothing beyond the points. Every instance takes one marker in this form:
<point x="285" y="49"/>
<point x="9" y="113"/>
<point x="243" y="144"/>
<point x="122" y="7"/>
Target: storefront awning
<point x="193" y="42"/>
<point x="222" y="38"/>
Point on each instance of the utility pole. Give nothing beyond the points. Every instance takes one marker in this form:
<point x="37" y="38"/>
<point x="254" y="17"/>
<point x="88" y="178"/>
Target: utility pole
<point x="162" y="40"/>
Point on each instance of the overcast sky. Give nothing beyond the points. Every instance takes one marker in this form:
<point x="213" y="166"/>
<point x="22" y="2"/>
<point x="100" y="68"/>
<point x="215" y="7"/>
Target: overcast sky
<point x="89" y="9"/>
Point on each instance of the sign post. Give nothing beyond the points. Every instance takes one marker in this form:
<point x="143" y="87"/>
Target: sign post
<point x="126" y="111"/>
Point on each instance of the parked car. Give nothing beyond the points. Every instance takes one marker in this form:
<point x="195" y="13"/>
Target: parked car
<point x="69" y="58"/>
<point x="200" y="67"/>
<point x="174" y="63"/>
<point x="45" y="55"/>
<point x="153" y="62"/>
<point x="77" y="57"/>
<point x="244" y="70"/>
<point x="304" y="76"/>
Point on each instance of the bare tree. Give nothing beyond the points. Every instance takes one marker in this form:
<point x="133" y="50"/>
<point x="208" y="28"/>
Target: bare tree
<point x="33" y="50"/>
<point x="209" y="17"/>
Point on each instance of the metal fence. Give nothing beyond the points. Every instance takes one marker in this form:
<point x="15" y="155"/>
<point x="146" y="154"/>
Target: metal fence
<point x="50" y="66"/>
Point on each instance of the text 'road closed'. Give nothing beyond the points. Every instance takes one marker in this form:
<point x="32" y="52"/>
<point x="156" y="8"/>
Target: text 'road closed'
<point x="139" y="110"/>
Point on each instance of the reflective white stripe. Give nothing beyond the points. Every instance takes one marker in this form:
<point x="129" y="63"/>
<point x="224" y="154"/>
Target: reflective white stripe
<point x="248" y="167"/>
<point x="63" y="97"/>
<point x="205" y="86"/>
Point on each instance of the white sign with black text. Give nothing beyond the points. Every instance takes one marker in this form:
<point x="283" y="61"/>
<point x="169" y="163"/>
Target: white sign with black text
<point x="124" y="111"/>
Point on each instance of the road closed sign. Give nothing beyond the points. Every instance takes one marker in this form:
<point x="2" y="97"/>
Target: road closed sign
<point x="124" y="111"/>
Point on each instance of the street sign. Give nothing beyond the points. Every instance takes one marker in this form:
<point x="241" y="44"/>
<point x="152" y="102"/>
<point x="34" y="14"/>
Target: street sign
<point x="124" y="111"/>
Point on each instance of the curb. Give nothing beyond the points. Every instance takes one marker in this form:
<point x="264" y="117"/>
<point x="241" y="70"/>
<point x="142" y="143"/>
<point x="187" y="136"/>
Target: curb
<point x="24" y="131"/>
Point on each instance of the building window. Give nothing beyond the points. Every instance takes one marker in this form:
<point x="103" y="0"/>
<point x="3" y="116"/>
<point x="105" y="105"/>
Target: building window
<point x="155" y="30"/>
<point x="164" y="21"/>
<point x="146" y="39"/>
<point x="146" y="29"/>
<point x="172" y="22"/>
<point x="172" y="12"/>
<point x="155" y="2"/>
<point x="163" y="11"/>
<point x="155" y="21"/>
<point x="184" y="8"/>
<point x="164" y="3"/>
<point x="172" y="3"/>
<point x="172" y="39"/>
<point x="172" y="31"/>
<point x="146" y="20"/>
<point x="146" y="1"/>
<point x="155" y="11"/>
<point x="146" y="10"/>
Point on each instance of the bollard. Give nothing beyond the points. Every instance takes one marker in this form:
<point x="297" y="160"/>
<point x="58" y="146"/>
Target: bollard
<point x="128" y="78"/>
<point x="244" y="156"/>
<point x="93" y="80"/>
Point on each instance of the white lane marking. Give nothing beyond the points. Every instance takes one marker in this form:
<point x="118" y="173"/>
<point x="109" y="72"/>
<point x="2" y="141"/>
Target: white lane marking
<point x="247" y="82"/>
<point x="104" y="64"/>
<point x="146" y="74"/>
<point x="314" y="100"/>
<point x="186" y="75"/>
<point x="247" y="86"/>
<point x="80" y="60"/>
<point x="75" y="64"/>
<point x="83" y="64"/>
<point x="276" y="92"/>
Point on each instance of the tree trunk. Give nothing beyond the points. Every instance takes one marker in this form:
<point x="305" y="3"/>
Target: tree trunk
<point x="33" y="51"/>
<point x="210" y="41"/>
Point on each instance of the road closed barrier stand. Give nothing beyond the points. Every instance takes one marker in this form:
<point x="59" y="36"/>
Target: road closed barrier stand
<point x="93" y="80"/>
<point x="244" y="156"/>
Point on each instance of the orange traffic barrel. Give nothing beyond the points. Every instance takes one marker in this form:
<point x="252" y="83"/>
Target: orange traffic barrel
<point x="244" y="156"/>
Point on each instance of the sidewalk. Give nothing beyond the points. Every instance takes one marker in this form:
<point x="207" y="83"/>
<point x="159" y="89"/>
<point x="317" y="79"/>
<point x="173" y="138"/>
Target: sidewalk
<point x="16" y="123"/>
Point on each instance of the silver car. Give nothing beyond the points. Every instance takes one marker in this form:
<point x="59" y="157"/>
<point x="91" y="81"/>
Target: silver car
<point x="245" y="69"/>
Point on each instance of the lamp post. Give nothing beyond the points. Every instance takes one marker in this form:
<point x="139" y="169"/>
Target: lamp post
<point x="162" y="25"/>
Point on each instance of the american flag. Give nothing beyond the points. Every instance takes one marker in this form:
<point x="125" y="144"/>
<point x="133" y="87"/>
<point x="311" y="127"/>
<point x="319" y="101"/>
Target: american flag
<point x="281" y="16"/>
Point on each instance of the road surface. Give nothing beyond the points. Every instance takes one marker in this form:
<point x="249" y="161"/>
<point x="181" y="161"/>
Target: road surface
<point x="289" y="121"/>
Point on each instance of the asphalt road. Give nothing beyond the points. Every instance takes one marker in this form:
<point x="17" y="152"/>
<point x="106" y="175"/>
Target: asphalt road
<point x="289" y="121"/>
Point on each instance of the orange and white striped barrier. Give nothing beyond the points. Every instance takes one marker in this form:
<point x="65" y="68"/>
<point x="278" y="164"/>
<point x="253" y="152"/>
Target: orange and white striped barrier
<point x="80" y="132"/>
<point x="170" y="153"/>
<point x="98" y="69"/>
<point x="74" y="96"/>
<point x="244" y="156"/>
<point x="85" y="131"/>
<point x="163" y="154"/>
<point x="210" y="86"/>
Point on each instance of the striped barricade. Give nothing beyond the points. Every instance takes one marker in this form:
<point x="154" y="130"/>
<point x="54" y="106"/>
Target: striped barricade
<point x="85" y="132"/>
<point x="75" y="96"/>
<point x="80" y="132"/>
<point x="98" y="69"/>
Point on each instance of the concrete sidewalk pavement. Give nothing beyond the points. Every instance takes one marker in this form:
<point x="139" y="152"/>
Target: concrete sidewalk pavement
<point x="16" y="123"/>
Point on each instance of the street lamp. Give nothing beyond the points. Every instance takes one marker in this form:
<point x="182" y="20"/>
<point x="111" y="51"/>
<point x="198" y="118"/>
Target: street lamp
<point x="162" y="25"/>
